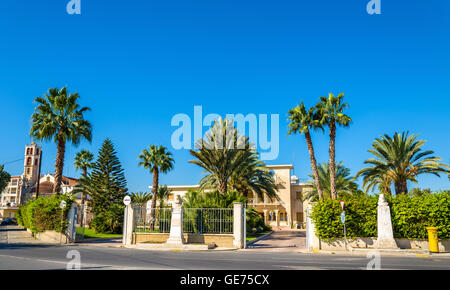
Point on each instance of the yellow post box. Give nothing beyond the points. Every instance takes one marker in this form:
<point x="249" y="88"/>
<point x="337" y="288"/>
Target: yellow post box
<point x="433" y="239"/>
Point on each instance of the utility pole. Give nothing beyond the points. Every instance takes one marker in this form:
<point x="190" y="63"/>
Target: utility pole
<point x="39" y="175"/>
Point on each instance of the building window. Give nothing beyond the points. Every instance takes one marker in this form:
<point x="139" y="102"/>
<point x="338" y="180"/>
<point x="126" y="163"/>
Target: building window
<point x="28" y="161"/>
<point x="37" y="151"/>
<point x="28" y="171"/>
<point x="300" y="217"/>
<point x="35" y="162"/>
<point x="28" y="151"/>
<point x="299" y="195"/>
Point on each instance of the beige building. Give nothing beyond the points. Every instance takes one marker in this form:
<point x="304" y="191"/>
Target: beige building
<point x="287" y="211"/>
<point x="23" y="187"/>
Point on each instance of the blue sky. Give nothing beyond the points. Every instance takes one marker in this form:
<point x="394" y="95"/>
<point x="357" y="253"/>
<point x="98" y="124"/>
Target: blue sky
<point x="138" y="63"/>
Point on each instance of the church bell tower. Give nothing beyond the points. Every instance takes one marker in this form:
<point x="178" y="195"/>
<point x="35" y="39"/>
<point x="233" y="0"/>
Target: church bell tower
<point x="31" y="163"/>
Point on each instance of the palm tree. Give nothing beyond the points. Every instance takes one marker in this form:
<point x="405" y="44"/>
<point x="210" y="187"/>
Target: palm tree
<point x="254" y="178"/>
<point x="58" y="116"/>
<point x="331" y="113"/>
<point x="83" y="160"/>
<point x="231" y="161"/>
<point x="141" y="198"/>
<point x="345" y="183"/>
<point x="400" y="159"/>
<point x="379" y="178"/>
<point x="301" y="121"/>
<point x="156" y="159"/>
<point x="221" y="153"/>
<point x="163" y="194"/>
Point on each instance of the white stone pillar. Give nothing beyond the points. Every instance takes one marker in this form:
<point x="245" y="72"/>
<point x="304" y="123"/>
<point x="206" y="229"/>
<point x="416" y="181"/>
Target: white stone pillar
<point x="266" y="216"/>
<point x="176" y="237"/>
<point x="385" y="238"/>
<point x="128" y="225"/>
<point x="312" y="241"/>
<point x="277" y="216"/>
<point x="238" y="225"/>
<point x="72" y="219"/>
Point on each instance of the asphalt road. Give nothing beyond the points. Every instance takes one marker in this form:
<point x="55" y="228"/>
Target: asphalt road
<point x="31" y="257"/>
<point x="19" y="252"/>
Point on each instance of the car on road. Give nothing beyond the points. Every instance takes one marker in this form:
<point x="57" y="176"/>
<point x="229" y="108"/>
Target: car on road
<point x="9" y="221"/>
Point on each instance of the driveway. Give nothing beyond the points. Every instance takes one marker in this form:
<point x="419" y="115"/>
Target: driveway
<point x="281" y="240"/>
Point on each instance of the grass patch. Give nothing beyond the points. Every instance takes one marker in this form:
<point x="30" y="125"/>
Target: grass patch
<point x="90" y="234"/>
<point x="251" y="237"/>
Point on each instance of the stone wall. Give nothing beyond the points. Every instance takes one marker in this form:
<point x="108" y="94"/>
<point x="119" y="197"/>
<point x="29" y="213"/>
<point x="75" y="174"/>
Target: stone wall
<point x="339" y="244"/>
<point x="221" y="240"/>
<point x="50" y="237"/>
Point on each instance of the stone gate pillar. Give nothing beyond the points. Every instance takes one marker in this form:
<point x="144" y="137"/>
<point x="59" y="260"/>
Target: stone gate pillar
<point x="238" y="225"/>
<point x="176" y="237"/>
<point x="128" y="225"/>
<point x="385" y="238"/>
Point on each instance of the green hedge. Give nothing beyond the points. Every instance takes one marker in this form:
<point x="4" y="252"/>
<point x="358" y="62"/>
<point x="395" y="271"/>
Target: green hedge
<point x="44" y="213"/>
<point x="410" y="216"/>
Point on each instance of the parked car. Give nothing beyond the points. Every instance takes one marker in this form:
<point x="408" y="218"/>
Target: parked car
<point x="9" y="221"/>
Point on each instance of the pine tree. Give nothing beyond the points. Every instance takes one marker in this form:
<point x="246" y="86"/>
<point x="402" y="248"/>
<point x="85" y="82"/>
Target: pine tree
<point x="106" y="183"/>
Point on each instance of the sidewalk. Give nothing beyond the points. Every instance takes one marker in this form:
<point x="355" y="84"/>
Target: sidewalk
<point x="382" y="252"/>
<point x="13" y="234"/>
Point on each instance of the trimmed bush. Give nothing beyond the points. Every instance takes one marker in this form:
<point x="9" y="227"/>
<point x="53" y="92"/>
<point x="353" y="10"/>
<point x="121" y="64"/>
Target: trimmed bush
<point x="110" y="221"/>
<point x="44" y="214"/>
<point x="410" y="216"/>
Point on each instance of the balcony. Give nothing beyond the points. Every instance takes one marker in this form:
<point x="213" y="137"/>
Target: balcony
<point x="259" y="201"/>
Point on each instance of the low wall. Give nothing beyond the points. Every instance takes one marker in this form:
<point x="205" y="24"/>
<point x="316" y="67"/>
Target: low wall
<point x="50" y="237"/>
<point x="339" y="244"/>
<point x="221" y="240"/>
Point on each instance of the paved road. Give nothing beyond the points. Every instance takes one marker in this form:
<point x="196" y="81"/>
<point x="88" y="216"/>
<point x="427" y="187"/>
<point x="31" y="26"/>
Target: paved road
<point x="281" y="241"/>
<point x="21" y="255"/>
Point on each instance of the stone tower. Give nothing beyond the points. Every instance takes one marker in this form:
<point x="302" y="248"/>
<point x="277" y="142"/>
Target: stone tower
<point x="31" y="163"/>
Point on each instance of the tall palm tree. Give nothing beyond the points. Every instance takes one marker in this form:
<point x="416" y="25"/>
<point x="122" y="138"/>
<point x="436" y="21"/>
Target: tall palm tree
<point x="331" y="113"/>
<point x="345" y="183"/>
<point x="83" y="160"/>
<point x="158" y="160"/>
<point x="400" y="159"/>
<point x="302" y="121"/>
<point x="58" y="116"/>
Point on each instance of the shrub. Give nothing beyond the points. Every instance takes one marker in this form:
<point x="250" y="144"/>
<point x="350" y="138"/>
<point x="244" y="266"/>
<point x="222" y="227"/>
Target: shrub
<point x="255" y="222"/>
<point x="44" y="213"/>
<point x="110" y="221"/>
<point x="410" y="216"/>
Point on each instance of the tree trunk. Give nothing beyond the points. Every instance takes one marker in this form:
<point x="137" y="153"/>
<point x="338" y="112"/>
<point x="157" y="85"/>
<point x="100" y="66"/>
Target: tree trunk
<point x="314" y="164"/>
<point x="223" y="186"/>
<point x="59" y="164"/>
<point x="401" y="187"/>
<point x="155" y="193"/>
<point x="83" y="201"/>
<point x="332" y="165"/>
